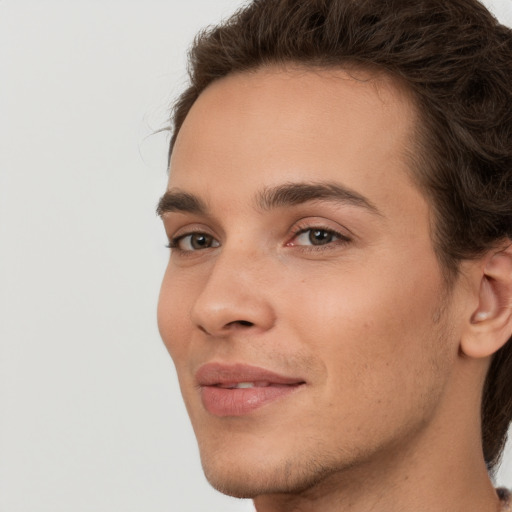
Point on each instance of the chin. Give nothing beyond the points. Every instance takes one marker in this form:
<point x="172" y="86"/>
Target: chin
<point x="246" y="476"/>
<point x="259" y="481"/>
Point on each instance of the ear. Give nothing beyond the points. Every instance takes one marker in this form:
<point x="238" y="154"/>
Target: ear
<point x="490" y="325"/>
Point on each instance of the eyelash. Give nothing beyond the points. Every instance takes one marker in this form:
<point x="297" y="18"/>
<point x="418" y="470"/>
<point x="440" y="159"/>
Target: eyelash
<point x="174" y="242"/>
<point x="299" y="230"/>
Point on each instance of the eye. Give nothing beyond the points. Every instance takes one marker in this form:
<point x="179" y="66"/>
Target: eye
<point x="317" y="236"/>
<point x="193" y="242"/>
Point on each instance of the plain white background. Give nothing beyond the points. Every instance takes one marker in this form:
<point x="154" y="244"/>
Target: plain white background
<point x="90" y="413"/>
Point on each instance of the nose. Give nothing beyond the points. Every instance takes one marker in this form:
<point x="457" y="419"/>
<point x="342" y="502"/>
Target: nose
<point x="235" y="297"/>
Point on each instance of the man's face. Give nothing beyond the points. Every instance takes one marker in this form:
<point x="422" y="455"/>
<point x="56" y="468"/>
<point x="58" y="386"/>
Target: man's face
<point x="303" y="304"/>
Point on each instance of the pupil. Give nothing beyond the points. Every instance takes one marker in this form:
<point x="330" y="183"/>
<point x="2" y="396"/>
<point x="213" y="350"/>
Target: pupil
<point x="320" y="237"/>
<point x="200" y="241"/>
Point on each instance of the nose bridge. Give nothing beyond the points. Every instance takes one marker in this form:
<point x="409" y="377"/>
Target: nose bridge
<point x="235" y="294"/>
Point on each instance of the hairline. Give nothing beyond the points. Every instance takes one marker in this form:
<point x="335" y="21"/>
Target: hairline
<point x="417" y="144"/>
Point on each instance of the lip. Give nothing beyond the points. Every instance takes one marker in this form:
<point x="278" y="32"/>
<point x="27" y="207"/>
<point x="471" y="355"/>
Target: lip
<point x="221" y="397"/>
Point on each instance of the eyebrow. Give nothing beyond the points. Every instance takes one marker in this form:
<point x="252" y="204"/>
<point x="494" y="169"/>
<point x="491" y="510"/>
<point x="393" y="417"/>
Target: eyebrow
<point x="287" y="194"/>
<point x="178" y="201"/>
<point x="290" y="194"/>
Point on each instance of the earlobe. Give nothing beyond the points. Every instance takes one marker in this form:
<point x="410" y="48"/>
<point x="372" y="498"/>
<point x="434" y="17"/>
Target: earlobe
<point x="490" y="325"/>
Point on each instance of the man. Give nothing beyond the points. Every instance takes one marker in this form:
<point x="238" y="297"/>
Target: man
<point x="338" y="300"/>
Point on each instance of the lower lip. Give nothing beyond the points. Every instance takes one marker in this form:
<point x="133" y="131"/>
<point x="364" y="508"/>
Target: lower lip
<point x="237" y="402"/>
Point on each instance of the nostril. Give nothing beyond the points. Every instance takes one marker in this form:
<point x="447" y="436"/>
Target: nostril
<point x="242" y="323"/>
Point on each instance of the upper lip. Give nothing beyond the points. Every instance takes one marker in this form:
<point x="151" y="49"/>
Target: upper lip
<point x="213" y="374"/>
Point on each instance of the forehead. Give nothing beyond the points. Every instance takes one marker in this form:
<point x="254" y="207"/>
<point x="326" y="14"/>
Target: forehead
<point x="262" y="128"/>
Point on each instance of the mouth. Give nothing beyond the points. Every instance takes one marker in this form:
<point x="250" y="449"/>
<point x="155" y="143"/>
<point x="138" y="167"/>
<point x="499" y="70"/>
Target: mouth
<point x="237" y="390"/>
<point x="245" y="385"/>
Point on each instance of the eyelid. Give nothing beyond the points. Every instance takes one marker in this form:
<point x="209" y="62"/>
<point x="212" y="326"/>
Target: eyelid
<point x="179" y="229"/>
<point x="304" y="226"/>
<point x="188" y="231"/>
<point x="301" y="226"/>
<point x="312" y="223"/>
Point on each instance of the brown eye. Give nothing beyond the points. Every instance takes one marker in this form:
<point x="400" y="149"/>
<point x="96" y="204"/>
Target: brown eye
<point x="316" y="236"/>
<point x="320" y="236"/>
<point x="194" y="242"/>
<point x="200" y="241"/>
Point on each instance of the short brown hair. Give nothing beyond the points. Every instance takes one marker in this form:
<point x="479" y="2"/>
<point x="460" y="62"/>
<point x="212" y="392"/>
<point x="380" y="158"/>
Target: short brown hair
<point x="456" y="59"/>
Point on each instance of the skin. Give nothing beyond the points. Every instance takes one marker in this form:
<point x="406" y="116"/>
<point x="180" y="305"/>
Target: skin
<point x="389" y="412"/>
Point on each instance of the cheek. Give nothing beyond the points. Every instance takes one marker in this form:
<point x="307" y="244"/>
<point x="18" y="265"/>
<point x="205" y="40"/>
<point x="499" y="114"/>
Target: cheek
<point x="366" y="303"/>
<point x="174" y="305"/>
<point x="376" y="332"/>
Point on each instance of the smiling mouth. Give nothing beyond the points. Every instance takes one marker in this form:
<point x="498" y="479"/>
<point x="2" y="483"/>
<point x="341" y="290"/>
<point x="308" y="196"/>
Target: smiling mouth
<point x="242" y="398"/>
<point x="249" y="385"/>
<point x="237" y="390"/>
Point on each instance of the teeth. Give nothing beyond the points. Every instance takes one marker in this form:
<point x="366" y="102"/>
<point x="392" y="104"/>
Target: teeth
<point x="245" y="385"/>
